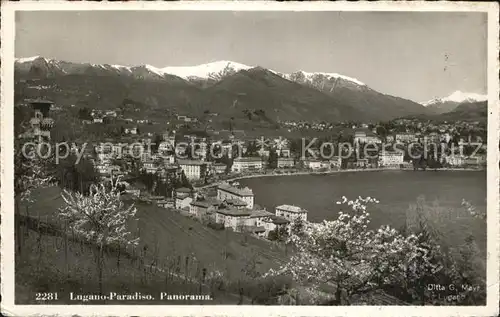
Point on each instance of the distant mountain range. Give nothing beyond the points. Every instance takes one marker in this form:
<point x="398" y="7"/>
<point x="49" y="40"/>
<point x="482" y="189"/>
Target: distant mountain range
<point x="467" y="111"/>
<point x="451" y="102"/>
<point x="225" y="87"/>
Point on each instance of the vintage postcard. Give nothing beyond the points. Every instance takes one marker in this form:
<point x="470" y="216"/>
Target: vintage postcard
<point x="250" y="158"/>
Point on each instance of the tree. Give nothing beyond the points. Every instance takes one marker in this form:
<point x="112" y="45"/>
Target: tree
<point x="381" y="131"/>
<point x="273" y="159"/>
<point x="251" y="149"/>
<point x="157" y="140"/>
<point x="279" y="234"/>
<point x="344" y="252"/>
<point x="76" y="177"/>
<point x="297" y="227"/>
<point x="85" y="113"/>
<point x="30" y="172"/>
<point x="100" y="218"/>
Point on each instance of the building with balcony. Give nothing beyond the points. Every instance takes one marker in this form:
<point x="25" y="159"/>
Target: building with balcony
<point x="41" y="123"/>
<point x="390" y="159"/>
<point x="228" y="192"/>
<point x="194" y="170"/>
<point x="291" y="213"/>
<point x="241" y="164"/>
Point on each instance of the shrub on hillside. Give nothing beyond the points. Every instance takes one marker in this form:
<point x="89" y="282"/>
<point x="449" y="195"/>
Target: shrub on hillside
<point x="215" y="225"/>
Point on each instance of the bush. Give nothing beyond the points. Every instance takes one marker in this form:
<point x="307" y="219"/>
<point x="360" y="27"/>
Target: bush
<point x="267" y="290"/>
<point x="215" y="225"/>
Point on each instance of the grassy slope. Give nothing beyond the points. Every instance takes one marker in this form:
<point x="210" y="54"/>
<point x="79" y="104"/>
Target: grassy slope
<point x="169" y="237"/>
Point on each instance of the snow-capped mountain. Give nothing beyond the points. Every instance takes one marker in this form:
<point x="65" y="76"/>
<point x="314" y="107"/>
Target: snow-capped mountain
<point x="213" y="71"/>
<point x="214" y="85"/>
<point x="457" y="96"/>
<point x="449" y="103"/>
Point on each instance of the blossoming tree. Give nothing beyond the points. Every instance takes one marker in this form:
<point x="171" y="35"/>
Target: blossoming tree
<point x="30" y="172"/>
<point x="100" y="218"/>
<point x="347" y="254"/>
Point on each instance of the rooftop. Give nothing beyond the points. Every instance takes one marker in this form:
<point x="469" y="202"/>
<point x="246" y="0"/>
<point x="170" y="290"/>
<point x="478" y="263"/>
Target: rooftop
<point x="291" y="208"/>
<point x="236" y="191"/>
<point x="236" y="202"/>
<point x="234" y="212"/>
<point x="208" y="202"/>
<point x="260" y="213"/>
<point x="278" y="220"/>
<point x="191" y="162"/>
<point x="248" y="159"/>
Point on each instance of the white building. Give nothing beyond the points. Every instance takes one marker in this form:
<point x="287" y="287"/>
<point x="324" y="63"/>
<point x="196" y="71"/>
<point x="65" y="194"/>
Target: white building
<point x="194" y="170"/>
<point x="271" y="223"/>
<point x="257" y="217"/>
<point x="235" y="219"/>
<point x="227" y="192"/>
<point x="291" y="213"/>
<point x="313" y="164"/>
<point x="390" y="158"/>
<point x="284" y="162"/>
<point x="455" y="160"/>
<point x="366" y="137"/>
<point x="246" y="164"/>
<point x="405" y="137"/>
<point x="336" y="162"/>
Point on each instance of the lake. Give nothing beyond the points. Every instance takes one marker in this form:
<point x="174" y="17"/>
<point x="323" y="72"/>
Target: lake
<point x="396" y="191"/>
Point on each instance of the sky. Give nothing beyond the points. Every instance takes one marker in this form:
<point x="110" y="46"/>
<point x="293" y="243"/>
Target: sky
<point x="417" y="55"/>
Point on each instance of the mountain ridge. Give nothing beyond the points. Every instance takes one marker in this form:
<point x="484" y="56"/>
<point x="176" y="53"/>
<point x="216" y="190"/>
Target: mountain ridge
<point x="342" y="97"/>
<point x="451" y="102"/>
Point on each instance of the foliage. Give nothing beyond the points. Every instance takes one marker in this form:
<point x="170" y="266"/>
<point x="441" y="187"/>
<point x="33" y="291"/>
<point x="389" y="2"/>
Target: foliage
<point x="297" y="227"/>
<point x="280" y="234"/>
<point x="30" y="171"/>
<point x="76" y="176"/>
<point x="273" y="159"/>
<point x="101" y="217"/>
<point x="356" y="259"/>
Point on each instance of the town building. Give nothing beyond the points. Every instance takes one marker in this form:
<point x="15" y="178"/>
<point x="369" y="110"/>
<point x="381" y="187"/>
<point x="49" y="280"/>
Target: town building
<point x="361" y="163"/>
<point x="194" y="170"/>
<point x="183" y="198"/>
<point x="241" y="164"/>
<point x="312" y="164"/>
<point x="283" y="152"/>
<point x="335" y="162"/>
<point x="233" y="218"/>
<point x="285" y="162"/>
<point x="227" y="192"/>
<point x="455" y="160"/>
<point x="256" y="218"/>
<point x="291" y="212"/>
<point x="405" y="137"/>
<point x="203" y="208"/>
<point x="390" y="158"/>
<point x="366" y="137"/>
<point x="41" y="123"/>
<point x="273" y="223"/>
<point x="219" y="168"/>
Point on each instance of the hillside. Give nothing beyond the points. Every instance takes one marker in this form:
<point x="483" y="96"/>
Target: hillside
<point x="259" y="88"/>
<point x="451" y="102"/>
<point x="466" y="111"/>
<point x="171" y="233"/>
<point x="214" y="86"/>
<point x="352" y="92"/>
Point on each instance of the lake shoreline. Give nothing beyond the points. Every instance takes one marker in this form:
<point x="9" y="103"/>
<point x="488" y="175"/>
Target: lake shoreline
<point x="340" y="171"/>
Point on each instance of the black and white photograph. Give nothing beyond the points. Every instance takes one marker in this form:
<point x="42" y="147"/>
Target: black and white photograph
<point x="210" y="157"/>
